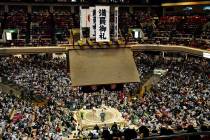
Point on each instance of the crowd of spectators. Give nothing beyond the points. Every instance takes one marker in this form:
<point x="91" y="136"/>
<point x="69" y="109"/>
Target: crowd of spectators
<point x="44" y="27"/>
<point x="40" y="27"/>
<point x="42" y="22"/>
<point x="16" y="18"/>
<point x="179" y="102"/>
<point x="188" y="30"/>
<point x="178" y="91"/>
<point x="181" y="30"/>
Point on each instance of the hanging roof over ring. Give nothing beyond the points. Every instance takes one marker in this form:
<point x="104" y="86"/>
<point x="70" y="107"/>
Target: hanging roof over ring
<point x="102" y="66"/>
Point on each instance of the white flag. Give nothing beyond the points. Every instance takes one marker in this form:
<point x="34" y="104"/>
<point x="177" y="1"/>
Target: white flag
<point x="102" y="24"/>
<point x="116" y="23"/>
<point x="84" y="19"/>
<point x="92" y="22"/>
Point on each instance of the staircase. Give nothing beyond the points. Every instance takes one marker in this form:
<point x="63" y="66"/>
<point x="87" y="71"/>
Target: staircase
<point x="152" y="80"/>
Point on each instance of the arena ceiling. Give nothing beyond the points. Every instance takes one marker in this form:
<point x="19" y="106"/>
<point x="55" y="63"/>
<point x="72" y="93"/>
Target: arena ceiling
<point x="102" y="66"/>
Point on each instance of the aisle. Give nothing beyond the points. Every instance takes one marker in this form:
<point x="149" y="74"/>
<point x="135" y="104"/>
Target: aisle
<point x="154" y="79"/>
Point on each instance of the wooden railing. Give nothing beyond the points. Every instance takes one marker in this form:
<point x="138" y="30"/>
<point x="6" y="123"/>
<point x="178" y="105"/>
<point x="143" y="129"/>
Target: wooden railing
<point x="134" y="47"/>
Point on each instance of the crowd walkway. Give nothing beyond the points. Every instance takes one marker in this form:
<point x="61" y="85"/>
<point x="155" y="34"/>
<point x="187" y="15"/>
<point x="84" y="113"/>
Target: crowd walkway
<point x="154" y="79"/>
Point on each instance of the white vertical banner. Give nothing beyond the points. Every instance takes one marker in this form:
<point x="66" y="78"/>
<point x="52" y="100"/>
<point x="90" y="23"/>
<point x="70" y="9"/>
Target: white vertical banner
<point x="102" y="24"/>
<point x="80" y="10"/>
<point x="116" y="13"/>
<point x="92" y="22"/>
<point x="84" y="19"/>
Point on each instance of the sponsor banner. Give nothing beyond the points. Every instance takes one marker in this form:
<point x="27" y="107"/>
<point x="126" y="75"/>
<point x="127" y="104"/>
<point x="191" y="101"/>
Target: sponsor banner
<point x="92" y="22"/>
<point x="102" y="24"/>
<point x="116" y="22"/>
<point x="84" y="19"/>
